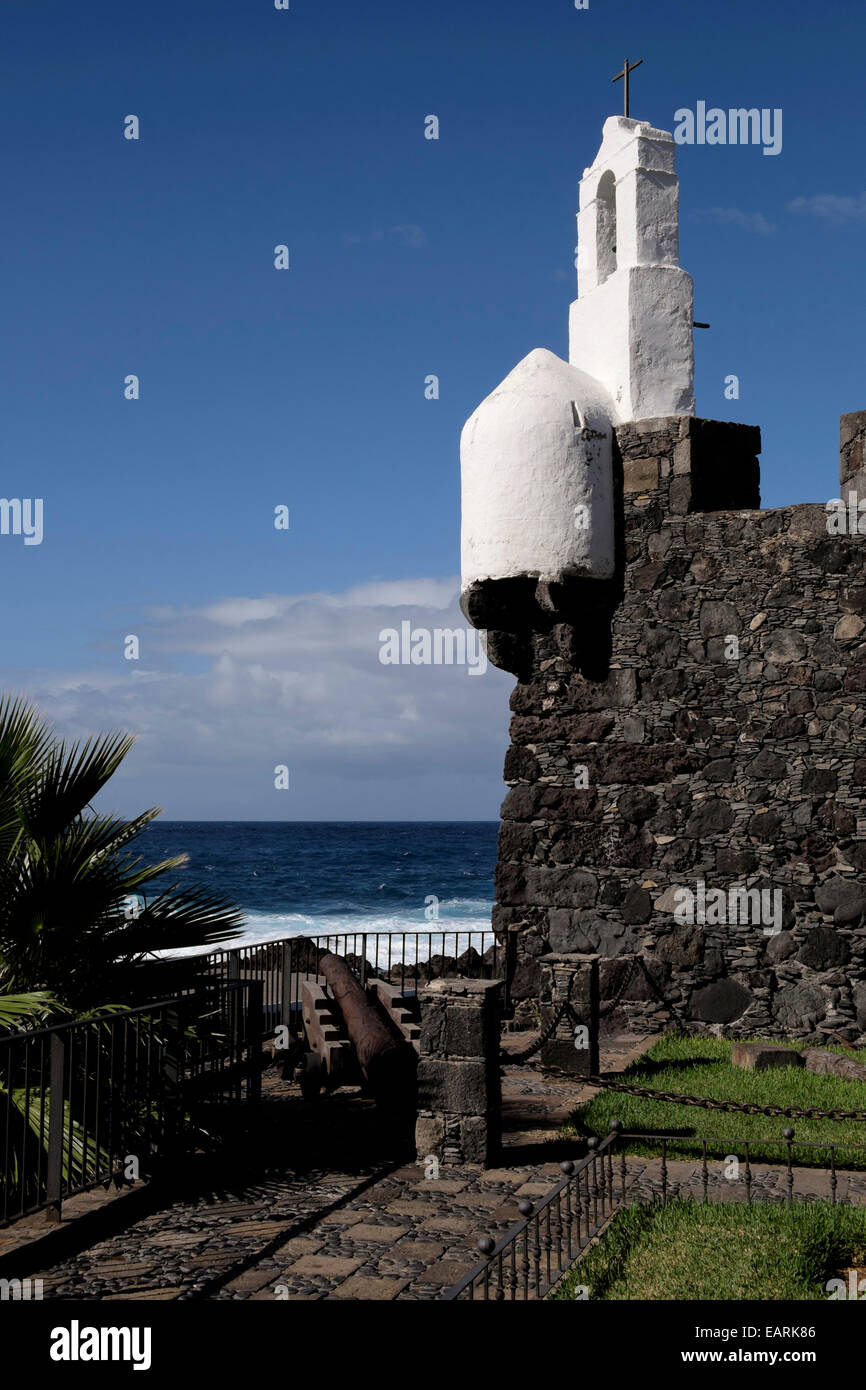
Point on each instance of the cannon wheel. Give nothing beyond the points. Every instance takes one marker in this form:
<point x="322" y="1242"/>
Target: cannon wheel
<point x="312" y="1075"/>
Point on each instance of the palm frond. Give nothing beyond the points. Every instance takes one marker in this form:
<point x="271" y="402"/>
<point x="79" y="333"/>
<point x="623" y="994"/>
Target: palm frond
<point x="67" y="875"/>
<point x="18" y="1010"/>
<point x="68" y="779"/>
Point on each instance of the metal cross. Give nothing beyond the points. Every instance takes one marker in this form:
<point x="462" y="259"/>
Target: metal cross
<point x="625" y="72"/>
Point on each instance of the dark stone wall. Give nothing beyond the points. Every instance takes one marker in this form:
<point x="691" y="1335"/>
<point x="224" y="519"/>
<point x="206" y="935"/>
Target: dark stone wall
<point x="739" y="764"/>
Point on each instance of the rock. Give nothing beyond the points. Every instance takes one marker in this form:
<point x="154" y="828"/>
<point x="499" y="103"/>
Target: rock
<point x="788" y="726"/>
<point x="516" y="840"/>
<point x="618" y="691"/>
<point x="848" y="628"/>
<point x="637" y="907"/>
<point x="670" y="899"/>
<point x="400" y="972"/>
<point x="564" y="930"/>
<point x="458" y="1087"/>
<point x="604" y="936"/>
<point x="528" y="802"/>
<point x="536" y="885"/>
<point x="784" y="645"/>
<point x="735" y="862"/>
<point x="799" y="1007"/>
<point x="824" y="949"/>
<point x="520" y="765"/>
<point x="746" y="773"/>
<point x="509" y="651"/>
<point x="637" y="805"/>
<point x="610" y="894"/>
<point x="641" y="475"/>
<point x="765" y="826"/>
<point x="439" y="967"/>
<point x="719" y="770"/>
<point x="840" y="892"/>
<point x="850" y="912"/>
<point x="781" y="946"/>
<point x="364" y="969"/>
<point x="470" y="963"/>
<point x="763" y="1056"/>
<point x="682" y="948"/>
<point x="631" y="762"/>
<point x="526" y="980"/>
<point x="768" y="766"/>
<point x="719" y="620"/>
<point x="721" y="1002"/>
<point x="710" y="817"/>
<point x="818" y="781"/>
<point x="639" y="989"/>
<point x="825" y="1063"/>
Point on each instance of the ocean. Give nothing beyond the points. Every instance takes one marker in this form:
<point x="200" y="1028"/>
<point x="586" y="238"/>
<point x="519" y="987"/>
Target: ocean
<point x="294" y="878"/>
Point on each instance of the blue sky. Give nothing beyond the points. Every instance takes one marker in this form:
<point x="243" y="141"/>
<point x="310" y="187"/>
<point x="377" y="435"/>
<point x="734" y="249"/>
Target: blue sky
<point x="306" y="387"/>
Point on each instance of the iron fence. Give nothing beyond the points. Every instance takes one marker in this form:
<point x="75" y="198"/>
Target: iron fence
<point x="676" y="1145"/>
<point x="106" y="1098"/>
<point x="408" y="959"/>
<point x="540" y="1249"/>
<point x="531" y="1258"/>
<point x="80" y="1101"/>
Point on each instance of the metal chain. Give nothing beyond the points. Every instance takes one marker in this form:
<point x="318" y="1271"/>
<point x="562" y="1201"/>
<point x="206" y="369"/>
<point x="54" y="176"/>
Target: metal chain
<point x="517" y="1059"/>
<point x="639" y="960"/>
<point x="612" y="1003"/>
<point x="789" y="1112"/>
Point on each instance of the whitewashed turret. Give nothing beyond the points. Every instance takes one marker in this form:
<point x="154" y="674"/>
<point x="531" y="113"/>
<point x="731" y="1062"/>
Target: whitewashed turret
<point x="631" y="324"/>
<point x="537" y="476"/>
<point x="537" y="454"/>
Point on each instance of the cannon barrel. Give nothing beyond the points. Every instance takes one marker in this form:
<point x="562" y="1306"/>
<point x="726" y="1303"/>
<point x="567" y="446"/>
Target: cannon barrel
<point x="387" y="1064"/>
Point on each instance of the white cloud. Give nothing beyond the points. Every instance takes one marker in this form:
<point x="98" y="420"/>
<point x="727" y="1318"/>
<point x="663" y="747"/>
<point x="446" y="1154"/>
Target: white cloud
<point x="293" y="679"/>
<point x="237" y="611"/>
<point x="831" y="207"/>
<point x="409" y="235"/>
<point x="405" y="234"/>
<point x="422" y="593"/>
<point x="733" y="217"/>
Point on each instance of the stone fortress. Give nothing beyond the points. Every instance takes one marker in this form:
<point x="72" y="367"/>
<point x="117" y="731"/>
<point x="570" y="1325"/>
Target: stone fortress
<point x="688" y="758"/>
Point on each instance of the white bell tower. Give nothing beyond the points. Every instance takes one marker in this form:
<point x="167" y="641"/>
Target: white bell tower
<point x="537" y="454"/>
<point x="631" y="324"/>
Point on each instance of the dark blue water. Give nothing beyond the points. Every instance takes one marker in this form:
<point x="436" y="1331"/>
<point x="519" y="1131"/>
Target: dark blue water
<point x="300" y="877"/>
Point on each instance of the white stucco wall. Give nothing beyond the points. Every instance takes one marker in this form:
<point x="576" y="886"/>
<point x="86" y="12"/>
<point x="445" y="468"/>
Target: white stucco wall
<point x="536" y="456"/>
<point x="537" y="488"/>
<point x="632" y="331"/>
<point x="636" y="332"/>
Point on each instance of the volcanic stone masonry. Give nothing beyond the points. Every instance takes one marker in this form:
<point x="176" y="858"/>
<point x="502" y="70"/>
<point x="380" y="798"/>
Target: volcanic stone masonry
<point x="713" y="691"/>
<point x="459" y="1093"/>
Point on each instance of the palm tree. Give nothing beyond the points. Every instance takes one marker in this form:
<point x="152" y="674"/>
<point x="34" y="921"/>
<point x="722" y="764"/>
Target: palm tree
<point x="75" y="918"/>
<point x="19" y="1010"/>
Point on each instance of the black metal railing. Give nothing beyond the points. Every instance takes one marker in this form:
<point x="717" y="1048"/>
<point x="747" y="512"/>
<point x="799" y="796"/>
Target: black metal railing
<point x="531" y="1258"/>
<point x="743" y="1150"/>
<point x="84" y="1103"/>
<point x="106" y="1098"/>
<point x="408" y="959"/>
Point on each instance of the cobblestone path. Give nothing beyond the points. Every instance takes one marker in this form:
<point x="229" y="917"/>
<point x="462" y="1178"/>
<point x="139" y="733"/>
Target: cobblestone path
<point x="342" y="1215"/>
<point x="331" y="1211"/>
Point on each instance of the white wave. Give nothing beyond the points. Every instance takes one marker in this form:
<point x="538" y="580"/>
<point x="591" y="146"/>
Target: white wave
<point x="445" y="935"/>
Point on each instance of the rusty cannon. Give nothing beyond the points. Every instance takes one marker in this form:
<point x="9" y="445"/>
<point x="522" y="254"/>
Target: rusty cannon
<point x="357" y="1036"/>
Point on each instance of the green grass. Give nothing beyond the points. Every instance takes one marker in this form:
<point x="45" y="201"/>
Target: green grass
<point x="702" y="1067"/>
<point x="686" y="1250"/>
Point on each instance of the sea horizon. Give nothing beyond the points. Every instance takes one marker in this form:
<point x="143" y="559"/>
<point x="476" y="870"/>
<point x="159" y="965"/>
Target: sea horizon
<point x="315" y="878"/>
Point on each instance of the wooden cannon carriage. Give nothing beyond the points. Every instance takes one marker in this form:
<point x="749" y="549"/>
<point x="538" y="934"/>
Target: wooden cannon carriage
<point x="356" y="1036"/>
